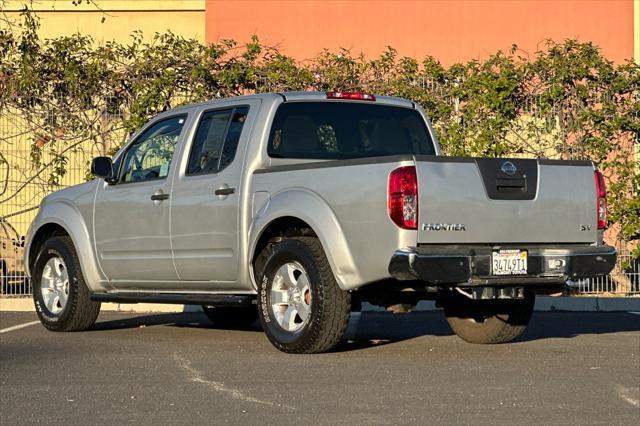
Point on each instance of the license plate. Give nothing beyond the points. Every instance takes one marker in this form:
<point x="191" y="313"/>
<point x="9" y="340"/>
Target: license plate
<point x="509" y="262"/>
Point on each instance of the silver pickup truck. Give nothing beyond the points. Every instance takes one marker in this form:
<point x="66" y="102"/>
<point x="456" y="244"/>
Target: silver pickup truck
<point x="295" y="208"/>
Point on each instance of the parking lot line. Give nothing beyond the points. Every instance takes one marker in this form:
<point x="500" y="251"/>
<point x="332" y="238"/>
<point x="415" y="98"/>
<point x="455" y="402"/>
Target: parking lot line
<point x="18" y="327"/>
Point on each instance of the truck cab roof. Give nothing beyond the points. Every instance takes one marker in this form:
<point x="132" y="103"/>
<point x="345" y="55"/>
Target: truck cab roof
<point x="298" y="96"/>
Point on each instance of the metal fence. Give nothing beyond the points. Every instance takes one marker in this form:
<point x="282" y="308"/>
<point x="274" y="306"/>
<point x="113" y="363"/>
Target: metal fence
<point x="623" y="280"/>
<point x="40" y="155"/>
<point x="30" y="165"/>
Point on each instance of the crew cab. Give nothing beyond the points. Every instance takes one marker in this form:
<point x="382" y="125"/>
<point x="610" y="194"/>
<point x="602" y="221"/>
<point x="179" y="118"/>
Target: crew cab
<point x="296" y="207"/>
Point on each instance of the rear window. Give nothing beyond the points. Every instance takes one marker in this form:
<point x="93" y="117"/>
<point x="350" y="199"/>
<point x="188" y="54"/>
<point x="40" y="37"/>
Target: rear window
<point x="340" y="130"/>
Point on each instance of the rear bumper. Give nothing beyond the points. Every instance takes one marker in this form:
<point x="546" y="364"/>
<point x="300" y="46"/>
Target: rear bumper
<point x="471" y="265"/>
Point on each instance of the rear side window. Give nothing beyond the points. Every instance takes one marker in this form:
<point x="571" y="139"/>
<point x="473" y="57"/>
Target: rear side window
<point x="340" y="130"/>
<point x="216" y="140"/>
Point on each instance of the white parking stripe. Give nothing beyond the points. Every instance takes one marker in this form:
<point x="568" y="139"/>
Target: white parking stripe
<point x="634" y="313"/>
<point x="18" y="327"/>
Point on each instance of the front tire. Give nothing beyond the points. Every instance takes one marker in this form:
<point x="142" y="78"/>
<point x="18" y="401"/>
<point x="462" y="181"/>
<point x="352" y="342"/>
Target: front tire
<point x="60" y="294"/>
<point x="302" y="309"/>
<point x="489" y="321"/>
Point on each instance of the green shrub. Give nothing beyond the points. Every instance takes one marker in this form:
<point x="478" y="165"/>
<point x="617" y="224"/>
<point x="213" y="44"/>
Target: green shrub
<point x="565" y="101"/>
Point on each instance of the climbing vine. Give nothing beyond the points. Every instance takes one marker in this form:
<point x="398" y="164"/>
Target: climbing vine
<point x="564" y="101"/>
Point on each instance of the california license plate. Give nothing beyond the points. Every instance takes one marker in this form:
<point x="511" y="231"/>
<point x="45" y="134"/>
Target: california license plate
<point x="509" y="262"/>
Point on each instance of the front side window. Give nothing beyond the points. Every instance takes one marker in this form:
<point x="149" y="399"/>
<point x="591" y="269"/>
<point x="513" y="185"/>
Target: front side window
<point x="149" y="157"/>
<point x="342" y="130"/>
<point x="216" y="140"/>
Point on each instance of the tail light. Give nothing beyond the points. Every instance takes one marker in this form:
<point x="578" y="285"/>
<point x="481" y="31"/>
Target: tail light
<point x="601" y="197"/>
<point x="355" y="96"/>
<point x="403" y="197"/>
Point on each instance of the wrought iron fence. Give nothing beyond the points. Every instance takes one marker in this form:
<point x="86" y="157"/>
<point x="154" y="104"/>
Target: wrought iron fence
<point x="623" y="280"/>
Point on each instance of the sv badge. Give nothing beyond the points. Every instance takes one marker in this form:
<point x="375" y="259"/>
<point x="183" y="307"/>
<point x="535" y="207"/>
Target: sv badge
<point x="585" y="227"/>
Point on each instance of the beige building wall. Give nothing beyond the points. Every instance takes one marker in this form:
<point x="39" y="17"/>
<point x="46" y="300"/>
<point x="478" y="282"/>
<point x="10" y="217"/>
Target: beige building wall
<point x="60" y="17"/>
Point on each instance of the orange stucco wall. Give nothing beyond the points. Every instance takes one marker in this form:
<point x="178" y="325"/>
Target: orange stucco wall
<point x="450" y="30"/>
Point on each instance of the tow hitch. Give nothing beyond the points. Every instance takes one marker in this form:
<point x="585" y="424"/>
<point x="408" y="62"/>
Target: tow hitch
<point x="491" y="293"/>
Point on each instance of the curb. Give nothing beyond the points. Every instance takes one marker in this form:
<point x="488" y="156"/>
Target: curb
<point x="543" y="304"/>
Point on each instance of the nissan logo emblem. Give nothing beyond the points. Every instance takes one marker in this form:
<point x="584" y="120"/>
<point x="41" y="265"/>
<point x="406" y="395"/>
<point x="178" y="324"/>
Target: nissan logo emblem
<point x="508" y="168"/>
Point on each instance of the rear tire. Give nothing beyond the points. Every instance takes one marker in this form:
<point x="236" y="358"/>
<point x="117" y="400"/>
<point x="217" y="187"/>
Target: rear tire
<point x="302" y="309"/>
<point x="60" y="294"/>
<point x="489" y="321"/>
<point x="236" y="318"/>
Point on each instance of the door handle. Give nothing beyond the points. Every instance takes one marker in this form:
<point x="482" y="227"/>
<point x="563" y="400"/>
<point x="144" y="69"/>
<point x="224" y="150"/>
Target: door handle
<point x="224" y="190"/>
<point x="159" y="196"/>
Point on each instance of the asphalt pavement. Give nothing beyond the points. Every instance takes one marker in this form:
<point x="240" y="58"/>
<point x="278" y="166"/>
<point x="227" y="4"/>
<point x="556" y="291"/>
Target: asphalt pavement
<point x="161" y="369"/>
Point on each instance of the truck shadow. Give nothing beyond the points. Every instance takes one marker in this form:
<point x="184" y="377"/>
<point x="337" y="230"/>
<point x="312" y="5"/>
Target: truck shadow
<point x="182" y="320"/>
<point x="382" y="328"/>
<point x="378" y="328"/>
<point x="545" y="325"/>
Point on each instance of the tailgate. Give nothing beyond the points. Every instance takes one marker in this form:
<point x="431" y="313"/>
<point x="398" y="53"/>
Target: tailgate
<point x="488" y="200"/>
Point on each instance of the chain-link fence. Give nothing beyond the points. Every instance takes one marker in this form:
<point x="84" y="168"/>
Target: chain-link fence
<point x="39" y="156"/>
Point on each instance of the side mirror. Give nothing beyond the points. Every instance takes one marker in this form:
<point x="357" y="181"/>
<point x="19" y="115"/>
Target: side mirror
<point x="102" y="167"/>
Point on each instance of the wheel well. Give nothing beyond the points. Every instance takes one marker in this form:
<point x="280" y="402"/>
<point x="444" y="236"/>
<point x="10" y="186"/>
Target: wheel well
<point x="43" y="234"/>
<point x="283" y="227"/>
